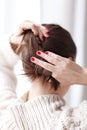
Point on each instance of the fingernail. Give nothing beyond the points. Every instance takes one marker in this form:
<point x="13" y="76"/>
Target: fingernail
<point x="32" y="59"/>
<point x="46" y="52"/>
<point x="38" y="53"/>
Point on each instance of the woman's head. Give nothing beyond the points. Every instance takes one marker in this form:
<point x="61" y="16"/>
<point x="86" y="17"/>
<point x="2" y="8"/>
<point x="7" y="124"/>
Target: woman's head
<point x="58" y="42"/>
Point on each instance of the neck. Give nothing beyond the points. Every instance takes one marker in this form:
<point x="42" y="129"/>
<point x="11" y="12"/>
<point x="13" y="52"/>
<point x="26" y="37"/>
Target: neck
<point x="38" y="89"/>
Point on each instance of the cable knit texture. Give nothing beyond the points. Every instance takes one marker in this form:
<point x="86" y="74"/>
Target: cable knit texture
<point x="44" y="112"/>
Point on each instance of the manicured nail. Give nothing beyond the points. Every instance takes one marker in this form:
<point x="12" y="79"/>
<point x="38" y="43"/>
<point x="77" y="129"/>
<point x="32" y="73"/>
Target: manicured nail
<point x="38" y="52"/>
<point x="32" y="59"/>
<point x="42" y="38"/>
<point x="46" y="52"/>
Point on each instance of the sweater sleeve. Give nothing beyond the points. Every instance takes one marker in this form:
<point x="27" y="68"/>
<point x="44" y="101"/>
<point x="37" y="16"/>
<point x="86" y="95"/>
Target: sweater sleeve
<point x="7" y="77"/>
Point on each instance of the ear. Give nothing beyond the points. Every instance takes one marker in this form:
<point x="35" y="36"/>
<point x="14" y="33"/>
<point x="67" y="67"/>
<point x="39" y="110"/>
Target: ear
<point x="73" y="59"/>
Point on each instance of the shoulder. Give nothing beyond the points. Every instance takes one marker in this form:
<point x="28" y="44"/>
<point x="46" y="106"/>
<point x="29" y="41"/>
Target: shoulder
<point x="71" y="118"/>
<point x="80" y="115"/>
<point x="11" y="116"/>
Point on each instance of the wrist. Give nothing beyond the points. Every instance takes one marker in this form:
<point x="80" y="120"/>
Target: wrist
<point x="84" y="76"/>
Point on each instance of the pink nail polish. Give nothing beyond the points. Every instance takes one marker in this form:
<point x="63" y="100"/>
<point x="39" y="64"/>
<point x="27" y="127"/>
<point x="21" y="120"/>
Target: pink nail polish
<point x="38" y="52"/>
<point x="32" y="59"/>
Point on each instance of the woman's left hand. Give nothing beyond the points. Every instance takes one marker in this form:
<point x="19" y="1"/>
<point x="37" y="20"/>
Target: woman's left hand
<point x="37" y="29"/>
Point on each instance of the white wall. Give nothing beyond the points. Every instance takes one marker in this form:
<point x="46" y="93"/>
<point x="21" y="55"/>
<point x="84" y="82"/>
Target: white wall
<point x="13" y="12"/>
<point x="57" y="11"/>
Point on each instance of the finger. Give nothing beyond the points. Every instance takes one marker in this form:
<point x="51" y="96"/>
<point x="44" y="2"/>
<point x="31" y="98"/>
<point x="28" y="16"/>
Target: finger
<point x="44" y="31"/>
<point x="40" y="31"/>
<point x="43" y="64"/>
<point x="55" y="56"/>
<point x="41" y="35"/>
<point x="27" y="25"/>
<point x="34" y="29"/>
<point x="47" y="57"/>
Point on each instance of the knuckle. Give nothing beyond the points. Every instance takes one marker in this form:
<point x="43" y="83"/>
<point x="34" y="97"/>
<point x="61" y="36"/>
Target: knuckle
<point x="65" y="65"/>
<point x="51" y="61"/>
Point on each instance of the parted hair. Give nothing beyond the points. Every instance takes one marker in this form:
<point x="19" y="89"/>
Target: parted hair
<point x="59" y="42"/>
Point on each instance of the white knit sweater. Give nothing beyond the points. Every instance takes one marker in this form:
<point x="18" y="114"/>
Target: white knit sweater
<point x="45" y="112"/>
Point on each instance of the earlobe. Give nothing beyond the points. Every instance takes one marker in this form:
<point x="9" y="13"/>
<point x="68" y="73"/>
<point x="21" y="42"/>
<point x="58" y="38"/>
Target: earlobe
<point x="72" y="59"/>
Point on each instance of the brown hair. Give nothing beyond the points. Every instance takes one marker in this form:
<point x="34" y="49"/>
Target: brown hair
<point x="59" y="42"/>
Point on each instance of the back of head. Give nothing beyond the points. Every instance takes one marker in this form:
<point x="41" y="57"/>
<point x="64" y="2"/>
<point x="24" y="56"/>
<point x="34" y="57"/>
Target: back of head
<point x="59" y="42"/>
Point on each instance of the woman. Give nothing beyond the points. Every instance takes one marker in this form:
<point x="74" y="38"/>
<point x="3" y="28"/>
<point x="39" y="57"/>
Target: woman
<point x="74" y="71"/>
<point x="44" y="107"/>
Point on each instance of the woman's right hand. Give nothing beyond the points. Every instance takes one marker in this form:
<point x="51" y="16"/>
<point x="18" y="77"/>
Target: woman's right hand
<point x="63" y="69"/>
<point x="37" y="29"/>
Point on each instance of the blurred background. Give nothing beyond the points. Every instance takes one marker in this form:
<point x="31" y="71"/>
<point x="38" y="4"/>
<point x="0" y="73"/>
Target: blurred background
<point x="71" y="14"/>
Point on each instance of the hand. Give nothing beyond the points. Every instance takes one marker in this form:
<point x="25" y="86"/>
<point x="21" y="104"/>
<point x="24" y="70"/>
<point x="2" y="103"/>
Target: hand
<point x="26" y="25"/>
<point x="63" y="69"/>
